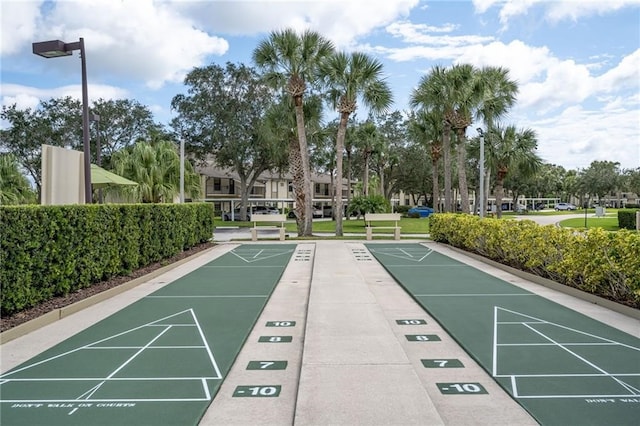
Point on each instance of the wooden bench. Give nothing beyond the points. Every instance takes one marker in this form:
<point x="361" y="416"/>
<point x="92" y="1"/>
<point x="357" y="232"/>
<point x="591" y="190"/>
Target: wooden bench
<point x="270" y="218"/>
<point x="371" y="218"/>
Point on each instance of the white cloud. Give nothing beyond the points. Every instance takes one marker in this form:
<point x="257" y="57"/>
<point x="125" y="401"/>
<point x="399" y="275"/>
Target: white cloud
<point x="578" y="136"/>
<point x="30" y="97"/>
<point x="555" y="10"/>
<point x="19" y="20"/>
<point x="131" y="39"/>
<point x="341" y="21"/>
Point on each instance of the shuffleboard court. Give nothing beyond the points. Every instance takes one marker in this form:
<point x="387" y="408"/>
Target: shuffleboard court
<point x="563" y="367"/>
<point x="159" y="361"/>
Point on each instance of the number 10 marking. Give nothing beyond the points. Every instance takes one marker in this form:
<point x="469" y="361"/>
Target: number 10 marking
<point x="461" y="388"/>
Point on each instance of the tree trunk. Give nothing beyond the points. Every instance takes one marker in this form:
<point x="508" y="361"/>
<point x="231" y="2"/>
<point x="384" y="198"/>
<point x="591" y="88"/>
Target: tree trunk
<point x="349" y="179"/>
<point x="462" y="171"/>
<point x="446" y="159"/>
<point x="435" y="187"/>
<point x="500" y="191"/>
<point x="307" y="219"/>
<point x="342" y="130"/>
<point x="365" y="175"/>
<point x="298" y="182"/>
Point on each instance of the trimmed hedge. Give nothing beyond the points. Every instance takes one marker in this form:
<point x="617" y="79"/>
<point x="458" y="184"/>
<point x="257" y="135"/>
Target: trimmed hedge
<point x="49" y="251"/>
<point x="603" y="263"/>
<point x="627" y="218"/>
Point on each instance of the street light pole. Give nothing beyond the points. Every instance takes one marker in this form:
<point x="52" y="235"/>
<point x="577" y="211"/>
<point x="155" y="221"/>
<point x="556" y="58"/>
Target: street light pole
<point x="96" y="119"/>
<point x="55" y="49"/>
<point x="481" y="178"/>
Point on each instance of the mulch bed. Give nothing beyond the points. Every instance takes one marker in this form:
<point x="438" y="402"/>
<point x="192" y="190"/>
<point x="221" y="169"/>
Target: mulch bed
<point x="18" y="318"/>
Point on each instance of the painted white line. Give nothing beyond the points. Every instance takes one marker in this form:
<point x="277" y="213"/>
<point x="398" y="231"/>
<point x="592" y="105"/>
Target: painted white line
<point x="280" y="253"/>
<point x="474" y="294"/>
<point x="241" y="266"/>
<point x="538" y="320"/>
<point x="405" y="252"/>
<point x="430" y="266"/>
<point x="578" y="396"/>
<point x="114" y="379"/>
<point x="258" y="253"/>
<point x="90" y="344"/>
<point x="586" y="361"/>
<point x="93" y="390"/>
<point x="209" y="297"/>
<point x="494" y="368"/>
<point x="207" y="394"/>
<point x="138" y="347"/>
<point x="514" y="387"/>
<point x="34" y="401"/>
<point x="604" y="376"/>
<point x="553" y="344"/>
<point x="204" y="340"/>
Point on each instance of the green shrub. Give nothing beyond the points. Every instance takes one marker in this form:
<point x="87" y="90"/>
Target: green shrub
<point x="627" y="218"/>
<point x="370" y="204"/>
<point x="48" y="251"/>
<point x="599" y="262"/>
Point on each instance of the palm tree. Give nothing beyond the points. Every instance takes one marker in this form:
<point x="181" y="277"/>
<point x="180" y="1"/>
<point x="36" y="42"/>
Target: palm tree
<point x="156" y="168"/>
<point x="499" y="94"/>
<point x="427" y="126"/>
<point x="14" y="186"/>
<point x="280" y="124"/>
<point x="435" y="93"/>
<point x="290" y="61"/>
<point x="466" y="96"/>
<point x="349" y="77"/>
<point x="511" y="149"/>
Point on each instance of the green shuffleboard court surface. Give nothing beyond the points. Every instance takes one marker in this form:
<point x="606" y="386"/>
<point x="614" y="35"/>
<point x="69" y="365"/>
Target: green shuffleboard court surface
<point x="159" y="361"/>
<point x="563" y="367"/>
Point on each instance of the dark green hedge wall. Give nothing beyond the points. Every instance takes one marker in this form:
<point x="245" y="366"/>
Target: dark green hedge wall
<point x="48" y="251"/>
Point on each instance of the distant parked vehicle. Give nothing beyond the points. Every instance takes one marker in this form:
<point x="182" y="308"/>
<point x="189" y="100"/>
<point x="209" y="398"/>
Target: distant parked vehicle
<point x="316" y="211"/>
<point x="226" y="216"/>
<point x="422" y="211"/>
<point x="564" y="206"/>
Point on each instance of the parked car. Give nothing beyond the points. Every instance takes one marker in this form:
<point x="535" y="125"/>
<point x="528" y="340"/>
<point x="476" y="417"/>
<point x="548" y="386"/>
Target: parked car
<point x="316" y="211"/>
<point x="226" y="216"/>
<point x="422" y="211"/>
<point x="564" y="206"/>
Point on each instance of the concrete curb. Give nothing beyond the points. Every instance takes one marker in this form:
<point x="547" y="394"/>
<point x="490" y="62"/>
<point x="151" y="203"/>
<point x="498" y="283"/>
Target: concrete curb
<point x="58" y="314"/>
<point x="591" y="298"/>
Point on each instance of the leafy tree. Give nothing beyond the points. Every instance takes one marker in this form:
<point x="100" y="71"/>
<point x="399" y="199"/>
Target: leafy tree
<point x="600" y="178"/>
<point x="222" y="118"/>
<point x="350" y="77"/>
<point x="291" y="62"/>
<point x="122" y="123"/>
<point x="14" y="186"/>
<point x="156" y="168"/>
<point x="392" y="128"/>
<point x="415" y="174"/>
<point x="58" y="122"/>
<point x="632" y="180"/>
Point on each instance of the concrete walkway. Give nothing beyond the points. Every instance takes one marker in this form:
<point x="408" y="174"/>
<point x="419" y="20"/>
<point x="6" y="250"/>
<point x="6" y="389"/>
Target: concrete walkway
<point x="349" y="362"/>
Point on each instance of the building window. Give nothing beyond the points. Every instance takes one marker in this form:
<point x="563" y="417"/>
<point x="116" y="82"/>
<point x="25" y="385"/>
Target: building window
<point x="217" y="184"/>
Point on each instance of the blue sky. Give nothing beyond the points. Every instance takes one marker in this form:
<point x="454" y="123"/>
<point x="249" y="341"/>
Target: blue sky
<point x="577" y="62"/>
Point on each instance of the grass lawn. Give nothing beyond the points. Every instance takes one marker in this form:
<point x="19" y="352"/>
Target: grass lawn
<point x="408" y="225"/>
<point x="608" y="223"/>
